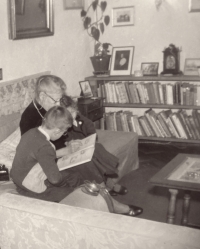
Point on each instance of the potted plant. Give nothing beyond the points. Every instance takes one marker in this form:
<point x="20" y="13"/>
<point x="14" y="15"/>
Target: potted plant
<point x="101" y="58"/>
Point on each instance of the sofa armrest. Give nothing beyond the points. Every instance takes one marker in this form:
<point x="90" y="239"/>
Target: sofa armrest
<point x="32" y="223"/>
<point x="124" y="145"/>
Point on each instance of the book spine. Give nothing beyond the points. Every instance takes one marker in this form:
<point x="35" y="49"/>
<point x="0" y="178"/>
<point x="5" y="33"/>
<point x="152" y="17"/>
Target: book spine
<point x="178" y="126"/>
<point x="165" y="127"/>
<point x="118" y="121"/>
<point x="130" y="100"/>
<point x="184" y="124"/>
<point x="143" y="125"/>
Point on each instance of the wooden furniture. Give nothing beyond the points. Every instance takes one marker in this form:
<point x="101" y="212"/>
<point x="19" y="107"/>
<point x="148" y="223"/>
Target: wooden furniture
<point x="91" y="108"/>
<point x="95" y="81"/>
<point x="175" y="182"/>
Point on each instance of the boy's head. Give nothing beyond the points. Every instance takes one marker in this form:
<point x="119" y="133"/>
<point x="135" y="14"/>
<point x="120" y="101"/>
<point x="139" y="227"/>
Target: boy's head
<point x="70" y="104"/>
<point x="56" y="121"/>
<point x="49" y="90"/>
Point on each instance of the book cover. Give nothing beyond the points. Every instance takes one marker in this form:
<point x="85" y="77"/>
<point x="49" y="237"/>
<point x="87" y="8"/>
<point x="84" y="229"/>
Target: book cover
<point x="83" y="155"/>
<point x="156" y="92"/>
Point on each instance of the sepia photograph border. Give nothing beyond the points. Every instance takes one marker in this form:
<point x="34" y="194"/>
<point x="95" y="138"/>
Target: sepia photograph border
<point x="117" y="50"/>
<point x="119" y="18"/>
<point x="191" y="66"/>
<point x="149" y="71"/>
<point x="86" y="89"/>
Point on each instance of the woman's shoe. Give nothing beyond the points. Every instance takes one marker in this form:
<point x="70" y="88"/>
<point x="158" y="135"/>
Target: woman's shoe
<point x="122" y="191"/>
<point x="134" y="211"/>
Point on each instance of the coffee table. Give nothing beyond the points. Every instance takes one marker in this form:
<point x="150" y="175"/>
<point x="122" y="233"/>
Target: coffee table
<point x="181" y="173"/>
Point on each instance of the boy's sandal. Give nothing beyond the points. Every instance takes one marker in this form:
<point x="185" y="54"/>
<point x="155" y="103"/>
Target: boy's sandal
<point x="134" y="211"/>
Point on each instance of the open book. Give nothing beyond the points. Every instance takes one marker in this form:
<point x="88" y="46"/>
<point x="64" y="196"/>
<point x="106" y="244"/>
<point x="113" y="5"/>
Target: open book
<point x="83" y="155"/>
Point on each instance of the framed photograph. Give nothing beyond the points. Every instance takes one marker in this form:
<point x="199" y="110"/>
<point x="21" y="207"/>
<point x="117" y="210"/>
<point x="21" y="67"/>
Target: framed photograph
<point x="121" y="60"/>
<point x="123" y="16"/>
<point x="150" y="68"/>
<point x="28" y="19"/>
<point x="73" y="4"/>
<point x="191" y="66"/>
<point x="86" y="89"/>
<point x="194" y="6"/>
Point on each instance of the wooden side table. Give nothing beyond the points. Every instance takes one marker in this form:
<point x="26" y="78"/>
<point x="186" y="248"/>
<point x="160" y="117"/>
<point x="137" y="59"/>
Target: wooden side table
<point x="175" y="176"/>
<point x="91" y="108"/>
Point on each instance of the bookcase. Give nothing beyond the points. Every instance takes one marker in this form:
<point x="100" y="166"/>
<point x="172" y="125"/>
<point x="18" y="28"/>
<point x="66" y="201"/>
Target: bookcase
<point x="172" y="95"/>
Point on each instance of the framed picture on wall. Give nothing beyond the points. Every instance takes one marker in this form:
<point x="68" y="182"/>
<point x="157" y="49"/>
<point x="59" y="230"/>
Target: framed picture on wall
<point x="121" y="60"/>
<point x="150" y="68"/>
<point x="123" y="16"/>
<point x="73" y="4"/>
<point x="191" y="66"/>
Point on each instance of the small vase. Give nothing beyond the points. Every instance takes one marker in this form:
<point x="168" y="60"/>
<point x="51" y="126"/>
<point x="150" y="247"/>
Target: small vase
<point x="100" y="63"/>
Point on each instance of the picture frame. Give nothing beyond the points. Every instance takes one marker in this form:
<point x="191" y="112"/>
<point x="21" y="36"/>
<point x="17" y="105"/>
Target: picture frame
<point x="191" y="66"/>
<point x="123" y="16"/>
<point x="73" y="4"/>
<point x="150" y="68"/>
<point x="86" y="89"/>
<point x="121" y="60"/>
<point x="1" y="74"/>
<point x="194" y="6"/>
<point x="30" y="19"/>
<point x="20" y="10"/>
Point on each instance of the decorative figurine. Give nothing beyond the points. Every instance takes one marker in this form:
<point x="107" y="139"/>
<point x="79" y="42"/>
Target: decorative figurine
<point x="171" y="60"/>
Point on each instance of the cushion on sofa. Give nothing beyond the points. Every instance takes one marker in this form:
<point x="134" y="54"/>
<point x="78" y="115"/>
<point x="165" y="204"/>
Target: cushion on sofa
<point x="8" y="148"/>
<point x="8" y="124"/>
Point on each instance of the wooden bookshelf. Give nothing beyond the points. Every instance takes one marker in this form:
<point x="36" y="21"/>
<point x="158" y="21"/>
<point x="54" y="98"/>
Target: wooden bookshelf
<point x="95" y="80"/>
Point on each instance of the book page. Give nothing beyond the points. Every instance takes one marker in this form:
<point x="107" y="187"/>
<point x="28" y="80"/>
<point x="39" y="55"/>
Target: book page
<point x="87" y="142"/>
<point x="83" y="155"/>
<point x="188" y="171"/>
<point x="77" y="158"/>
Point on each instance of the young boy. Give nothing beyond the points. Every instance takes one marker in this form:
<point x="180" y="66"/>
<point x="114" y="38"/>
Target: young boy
<point x="34" y="168"/>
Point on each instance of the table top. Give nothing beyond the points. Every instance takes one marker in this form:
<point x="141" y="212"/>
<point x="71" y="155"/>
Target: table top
<point x="174" y="168"/>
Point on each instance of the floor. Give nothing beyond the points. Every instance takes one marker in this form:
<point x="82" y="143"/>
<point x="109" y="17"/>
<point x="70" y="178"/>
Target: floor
<point x="154" y="200"/>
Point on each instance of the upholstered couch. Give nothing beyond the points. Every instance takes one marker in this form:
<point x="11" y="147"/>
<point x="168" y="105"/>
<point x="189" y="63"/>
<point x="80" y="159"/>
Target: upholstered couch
<point x="31" y="223"/>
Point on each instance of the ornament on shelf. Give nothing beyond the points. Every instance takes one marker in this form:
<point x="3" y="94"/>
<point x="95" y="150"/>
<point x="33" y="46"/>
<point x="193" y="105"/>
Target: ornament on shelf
<point x="171" y="60"/>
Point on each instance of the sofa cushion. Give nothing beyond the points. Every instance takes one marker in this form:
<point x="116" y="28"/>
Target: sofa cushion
<point x="8" y="148"/>
<point x="8" y="124"/>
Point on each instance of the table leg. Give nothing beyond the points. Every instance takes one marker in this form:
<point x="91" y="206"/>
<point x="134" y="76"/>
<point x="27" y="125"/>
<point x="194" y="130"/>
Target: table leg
<point x="172" y="206"/>
<point x="186" y="207"/>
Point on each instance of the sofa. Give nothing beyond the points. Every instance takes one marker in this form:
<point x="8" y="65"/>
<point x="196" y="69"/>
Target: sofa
<point x="32" y="223"/>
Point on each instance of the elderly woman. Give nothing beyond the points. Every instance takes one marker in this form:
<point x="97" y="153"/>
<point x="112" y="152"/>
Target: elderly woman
<point x="49" y="91"/>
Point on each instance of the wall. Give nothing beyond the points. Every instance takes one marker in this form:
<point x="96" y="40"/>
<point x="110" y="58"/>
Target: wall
<point x="156" y="29"/>
<point x="66" y="54"/>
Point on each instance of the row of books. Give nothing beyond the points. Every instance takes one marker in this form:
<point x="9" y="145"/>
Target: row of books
<point x="165" y="124"/>
<point x="181" y="93"/>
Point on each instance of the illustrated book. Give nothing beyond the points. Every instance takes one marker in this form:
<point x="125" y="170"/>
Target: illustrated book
<point x="82" y="155"/>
